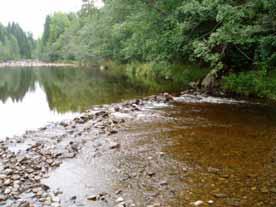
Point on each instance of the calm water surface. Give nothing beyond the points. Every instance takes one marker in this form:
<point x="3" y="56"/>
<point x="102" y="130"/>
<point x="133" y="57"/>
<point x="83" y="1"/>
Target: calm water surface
<point x="31" y="98"/>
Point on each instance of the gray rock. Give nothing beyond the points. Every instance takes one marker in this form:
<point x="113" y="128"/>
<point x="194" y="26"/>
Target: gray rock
<point x="3" y="198"/>
<point x="119" y="200"/>
<point x="114" y="145"/>
<point x="92" y="197"/>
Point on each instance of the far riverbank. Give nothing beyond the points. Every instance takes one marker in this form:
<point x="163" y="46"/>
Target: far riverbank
<point x="34" y="63"/>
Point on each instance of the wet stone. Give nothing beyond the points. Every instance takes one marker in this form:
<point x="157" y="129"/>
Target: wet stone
<point x="150" y="173"/>
<point x="233" y="202"/>
<point x="273" y="190"/>
<point x="220" y="195"/>
<point x="2" y="198"/>
<point x="198" y="203"/>
<point x="114" y="145"/>
<point x="92" y="197"/>
<point x="119" y="200"/>
<point x="264" y="190"/>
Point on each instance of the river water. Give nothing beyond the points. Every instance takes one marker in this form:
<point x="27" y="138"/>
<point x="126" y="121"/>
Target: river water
<point x="197" y="149"/>
<point x="33" y="97"/>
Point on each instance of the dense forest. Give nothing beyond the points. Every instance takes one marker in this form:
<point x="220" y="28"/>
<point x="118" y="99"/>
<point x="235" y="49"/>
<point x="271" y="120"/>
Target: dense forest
<point x="15" y="43"/>
<point x="221" y="33"/>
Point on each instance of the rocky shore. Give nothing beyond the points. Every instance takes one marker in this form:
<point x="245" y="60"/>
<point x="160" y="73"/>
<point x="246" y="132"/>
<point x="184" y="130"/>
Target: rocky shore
<point x="26" y="160"/>
<point x="114" y="152"/>
<point x="33" y="63"/>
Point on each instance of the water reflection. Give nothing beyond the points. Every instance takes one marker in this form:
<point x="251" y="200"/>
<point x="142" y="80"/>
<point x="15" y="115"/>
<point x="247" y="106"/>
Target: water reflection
<point x="29" y="98"/>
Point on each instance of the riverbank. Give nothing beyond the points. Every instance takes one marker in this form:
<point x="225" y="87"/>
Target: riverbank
<point x="27" y="160"/>
<point x="34" y="63"/>
<point x="120" y="155"/>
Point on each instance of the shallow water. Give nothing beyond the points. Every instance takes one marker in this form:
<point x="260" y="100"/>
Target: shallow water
<point x="32" y="97"/>
<point x="222" y="152"/>
<point x="198" y="148"/>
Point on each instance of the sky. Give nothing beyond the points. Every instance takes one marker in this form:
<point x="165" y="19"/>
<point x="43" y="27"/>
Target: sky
<point x="30" y="14"/>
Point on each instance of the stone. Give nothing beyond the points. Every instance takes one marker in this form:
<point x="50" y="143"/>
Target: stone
<point x="7" y="182"/>
<point x="119" y="200"/>
<point x="273" y="190"/>
<point x="198" y="203"/>
<point x="154" y="205"/>
<point x="25" y="204"/>
<point x="114" y="131"/>
<point x="264" y="190"/>
<point x="118" y="192"/>
<point x="211" y="202"/>
<point x="73" y="198"/>
<point x="233" y="202"/>
<point x="55" y="199"/>
<point x="7" y="191"/>
<point x="121" y="205"/>
<point x="213" y="170"/>
<point x="92" y="198"/>
<point x="150" y="173"/>
<point x="163" y="183"/>
<point x="114" y="145"/>
<point x="2" y="198"/>
<point x="220" y="195"/>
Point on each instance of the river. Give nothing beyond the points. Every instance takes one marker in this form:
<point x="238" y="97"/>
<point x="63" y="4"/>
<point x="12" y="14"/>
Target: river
<point x="192" y="151"/>
<point x="33" y="97"/>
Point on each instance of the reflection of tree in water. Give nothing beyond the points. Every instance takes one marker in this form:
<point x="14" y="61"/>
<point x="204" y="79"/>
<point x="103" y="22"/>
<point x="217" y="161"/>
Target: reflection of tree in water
<point x="70" y="89"/>
<point x="76" y="90"/>
<point x="15" y="83"/>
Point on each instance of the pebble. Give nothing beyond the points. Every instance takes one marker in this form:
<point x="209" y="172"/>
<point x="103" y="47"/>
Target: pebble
<point x="163" y="183"/>
<point x="2" y="198"/>
<point x="150" y="173"/>
<point x="7" y="191"/>
<point x="114" y="145"/>
<point x="211" y="202"/>
<point x="198" y="203"/>
<point x="121" y="205"/>
<point x="220" y="195"/>
<point x="118" y="192"/>
<point x="154" y="205"/>
<point x="119" y="200"/>
<point x="7" y="182"/>
<point x="92" y="198"/>
<point x="264" y="190"/>
<point x="273" y="190"/>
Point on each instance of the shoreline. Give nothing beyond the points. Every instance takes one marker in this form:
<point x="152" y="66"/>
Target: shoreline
<point x="34" y="63"/>
<point x="27" y="160"/>
<point x="30" y="160"/>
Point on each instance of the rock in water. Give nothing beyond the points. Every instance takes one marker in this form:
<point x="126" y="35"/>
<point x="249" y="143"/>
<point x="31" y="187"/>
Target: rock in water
<point x="198" y="203"/>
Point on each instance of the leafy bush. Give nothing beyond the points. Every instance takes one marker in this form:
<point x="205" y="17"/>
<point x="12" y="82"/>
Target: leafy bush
<point x="254" y="83"/>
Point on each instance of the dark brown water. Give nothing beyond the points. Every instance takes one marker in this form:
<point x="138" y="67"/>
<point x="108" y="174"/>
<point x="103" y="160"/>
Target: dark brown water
<point x="231" y="149"/>
<point x="222" y="153"/>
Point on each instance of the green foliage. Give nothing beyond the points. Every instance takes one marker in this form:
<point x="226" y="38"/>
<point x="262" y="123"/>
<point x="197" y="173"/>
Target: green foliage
<point x="254" y="83"/>
<point x="220" y="33"/>
<point x="57" y="37"/>
<point x="15" y="43"/>
<point x="154" y="75"/>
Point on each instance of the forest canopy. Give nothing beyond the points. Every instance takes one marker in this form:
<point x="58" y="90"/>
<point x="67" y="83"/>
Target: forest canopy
<point x="239" y="35"/>
<point x="15" y="43"/>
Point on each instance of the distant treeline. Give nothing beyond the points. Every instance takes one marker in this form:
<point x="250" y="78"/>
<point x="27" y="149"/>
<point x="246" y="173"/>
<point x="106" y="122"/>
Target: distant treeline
<point x="229" y="34"/>
<point x="15" y="43"/>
